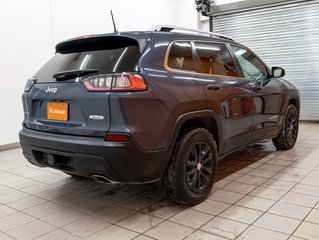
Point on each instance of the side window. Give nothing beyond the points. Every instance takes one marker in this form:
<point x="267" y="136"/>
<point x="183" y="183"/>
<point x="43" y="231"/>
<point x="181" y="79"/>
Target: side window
<point x="215" y="59"/>
<point x="252" y="68"/>
<point x="181" y="57"/>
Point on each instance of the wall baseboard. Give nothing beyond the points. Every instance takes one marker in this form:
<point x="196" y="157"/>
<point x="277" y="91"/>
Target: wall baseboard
<point x="309" y="121"/>
<point x="9" y="146"/>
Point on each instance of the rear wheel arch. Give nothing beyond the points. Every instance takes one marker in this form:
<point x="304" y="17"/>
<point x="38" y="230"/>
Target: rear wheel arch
<point x="200" y="119"/>
<point x="191" y="172"/>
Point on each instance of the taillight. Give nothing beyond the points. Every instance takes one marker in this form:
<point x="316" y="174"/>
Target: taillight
<point x="117" y="138"/>
<point x="115" y="83"/>
<point x="98" y="83"/>
<point x="29" y="84"/>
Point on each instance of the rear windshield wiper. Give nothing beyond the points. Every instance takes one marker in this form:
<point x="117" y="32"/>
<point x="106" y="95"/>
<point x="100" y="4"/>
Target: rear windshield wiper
<point x="69" y="74"/>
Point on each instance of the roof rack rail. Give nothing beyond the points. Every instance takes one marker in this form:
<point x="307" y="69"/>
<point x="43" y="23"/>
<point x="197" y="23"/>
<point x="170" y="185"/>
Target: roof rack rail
<point x="169" y="28"/>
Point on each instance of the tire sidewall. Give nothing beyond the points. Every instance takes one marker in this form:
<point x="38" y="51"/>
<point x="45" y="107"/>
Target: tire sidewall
<point x="186" y="194"/>
<point x="291" y="108"/>
<point x="281" y="141"/>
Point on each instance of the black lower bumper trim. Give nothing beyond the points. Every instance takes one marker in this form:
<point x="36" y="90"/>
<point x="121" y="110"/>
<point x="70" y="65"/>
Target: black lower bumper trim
<point x="87" y="156"/>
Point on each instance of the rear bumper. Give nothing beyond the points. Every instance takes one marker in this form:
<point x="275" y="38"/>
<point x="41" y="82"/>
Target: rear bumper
<point x="87" y="156"/>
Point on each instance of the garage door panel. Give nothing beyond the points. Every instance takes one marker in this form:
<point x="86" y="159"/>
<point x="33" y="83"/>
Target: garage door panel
<point x="286" y="36"/>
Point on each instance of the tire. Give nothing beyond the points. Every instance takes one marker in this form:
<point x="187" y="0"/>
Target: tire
<point x="191" y="172"/>
<point x="289" y="130"/>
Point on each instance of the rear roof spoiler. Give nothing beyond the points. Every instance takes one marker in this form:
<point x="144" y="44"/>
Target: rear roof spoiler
<point x="97" y="42"/>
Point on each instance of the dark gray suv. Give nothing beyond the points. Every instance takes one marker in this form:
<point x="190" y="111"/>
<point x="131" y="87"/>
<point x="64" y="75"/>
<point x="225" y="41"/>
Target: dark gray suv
<point x="137" y="107"/>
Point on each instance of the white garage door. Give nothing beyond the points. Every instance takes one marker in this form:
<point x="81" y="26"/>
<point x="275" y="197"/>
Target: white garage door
<point x="285" y="36"/>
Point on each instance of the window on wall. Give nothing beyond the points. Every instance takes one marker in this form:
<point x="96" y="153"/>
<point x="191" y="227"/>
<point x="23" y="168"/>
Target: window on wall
<point x="251" y="66"/>
<point x="215" y="59"/>
<point x="181" y="57"/>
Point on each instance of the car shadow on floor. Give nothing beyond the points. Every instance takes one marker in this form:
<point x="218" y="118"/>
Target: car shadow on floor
<point x="93" y="198"/>
<point x="246" y="158"/>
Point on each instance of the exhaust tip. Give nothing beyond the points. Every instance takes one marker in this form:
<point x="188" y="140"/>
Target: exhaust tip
<point x="102" y="179"/>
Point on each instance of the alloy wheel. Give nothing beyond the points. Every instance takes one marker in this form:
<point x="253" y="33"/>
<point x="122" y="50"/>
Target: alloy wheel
<point x="292" y="126"/>
<point x="199" y="166"/>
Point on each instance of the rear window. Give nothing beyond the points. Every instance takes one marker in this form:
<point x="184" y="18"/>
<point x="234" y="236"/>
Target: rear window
<point x="107" y="57"/>
<point x="180" y="56"/>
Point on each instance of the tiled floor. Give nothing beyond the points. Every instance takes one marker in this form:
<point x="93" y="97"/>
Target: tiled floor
<point x="260" y="194"/>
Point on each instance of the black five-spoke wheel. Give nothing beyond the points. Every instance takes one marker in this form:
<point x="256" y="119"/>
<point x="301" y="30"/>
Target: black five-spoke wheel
<point x="191" y="172"/>
<point x="199" y="166"/>
<point x="287" y="137"/>
<point x="292" y="126"/>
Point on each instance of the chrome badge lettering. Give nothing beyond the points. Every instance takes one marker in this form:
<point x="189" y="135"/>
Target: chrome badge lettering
<point x="51" y="90"/>
<point x="96" y="117"/>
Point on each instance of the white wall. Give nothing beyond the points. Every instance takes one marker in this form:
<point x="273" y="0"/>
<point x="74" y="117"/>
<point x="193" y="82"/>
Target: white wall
<point x="186" y="15"/>
<point x="93" y="16"/>
<point x="30" y="29"/>
<point x="25" y="43"/>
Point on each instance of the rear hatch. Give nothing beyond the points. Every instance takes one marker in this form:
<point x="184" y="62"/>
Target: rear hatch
<point x="56" y="100"/>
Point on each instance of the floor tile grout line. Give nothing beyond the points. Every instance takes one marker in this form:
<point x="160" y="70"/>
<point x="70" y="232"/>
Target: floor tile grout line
<point x="28" y="177"/>
<point x="244" y="194"/>
<point x="40" y="219"/>
<point x="9" y="235"/>
<point x="232" y="204"/>
<point x="61" y="228"/>
<point x="195" y="229"/>
<point x="304" y="194"/>
<point x="252" y="224"/>
<point x="45" y="234"/>
<point x="29" y="223"/>
<point x="42" y="199"/>
<point x="275" y="201"/>
<point x="156" y="226"/>
<point x="31" y="194"/>
<point x="135" y="212"/>
<point x="281" y="198"/>
<point x="143" y="236"/>
<point x="304" y="219"/>
<point x="248" y="225"/>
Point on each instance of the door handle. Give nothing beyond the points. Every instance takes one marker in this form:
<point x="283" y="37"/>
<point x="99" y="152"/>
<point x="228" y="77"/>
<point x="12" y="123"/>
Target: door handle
<point x="256" y="87"/>
<point x="214" y="87"/>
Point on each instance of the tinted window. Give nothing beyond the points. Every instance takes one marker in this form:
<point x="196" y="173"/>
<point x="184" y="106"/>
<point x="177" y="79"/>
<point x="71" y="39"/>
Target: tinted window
<point x="252" y="68"/>
<point x="215" y="59"/>
<point x="180" y="56"/>
<point x="117" y="60"/>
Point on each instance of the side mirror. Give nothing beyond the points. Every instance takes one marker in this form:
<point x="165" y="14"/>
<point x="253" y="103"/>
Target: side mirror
<point x="277" y="72"/>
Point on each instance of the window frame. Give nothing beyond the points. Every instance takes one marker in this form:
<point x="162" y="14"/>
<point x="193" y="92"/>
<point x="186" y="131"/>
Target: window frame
<point x="168" y="51"/>
<point x="196" y="59"/>
<point x="238" y="71"/>
<point x="238" y="64"/>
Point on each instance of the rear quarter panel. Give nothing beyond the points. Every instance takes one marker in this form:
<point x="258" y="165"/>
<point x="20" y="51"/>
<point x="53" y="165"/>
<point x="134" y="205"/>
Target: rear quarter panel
<point x="150" y="117"/>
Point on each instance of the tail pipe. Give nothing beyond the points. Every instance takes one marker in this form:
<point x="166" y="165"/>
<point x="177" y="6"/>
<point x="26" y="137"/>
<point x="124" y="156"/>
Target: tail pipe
<point x="102" y="179"/>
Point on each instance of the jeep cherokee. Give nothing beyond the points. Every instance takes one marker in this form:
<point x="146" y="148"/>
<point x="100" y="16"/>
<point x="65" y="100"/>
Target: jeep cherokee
<point x="137" y="107"/>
